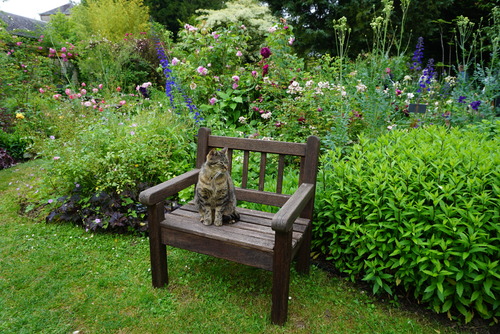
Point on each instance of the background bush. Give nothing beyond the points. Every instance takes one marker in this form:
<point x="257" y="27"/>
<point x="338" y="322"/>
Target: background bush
<point x="417" y="211"/>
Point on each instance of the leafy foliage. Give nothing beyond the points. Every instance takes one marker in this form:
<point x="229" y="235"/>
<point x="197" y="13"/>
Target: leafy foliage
<point x="174" y="13"/>
<point x="121" y="17"/>
<point x="417" y="211"/>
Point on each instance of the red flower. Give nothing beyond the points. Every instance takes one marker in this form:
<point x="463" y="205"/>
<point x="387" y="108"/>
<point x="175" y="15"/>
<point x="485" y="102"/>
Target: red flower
<point x="265" y="52"/>
<point x="265" y="69"/>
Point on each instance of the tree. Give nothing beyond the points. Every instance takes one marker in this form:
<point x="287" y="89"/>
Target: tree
<point x="314" y="28"/>
<point x="111" y="19"/>
<point x="172" y="13"/>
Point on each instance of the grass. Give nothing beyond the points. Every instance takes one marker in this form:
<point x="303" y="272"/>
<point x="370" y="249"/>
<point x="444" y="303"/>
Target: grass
<point x="58" y="278"/>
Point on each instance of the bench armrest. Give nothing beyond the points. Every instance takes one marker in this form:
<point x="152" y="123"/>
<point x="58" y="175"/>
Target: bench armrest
<point x="290" y="211"/>
<point x="168" y="188"/>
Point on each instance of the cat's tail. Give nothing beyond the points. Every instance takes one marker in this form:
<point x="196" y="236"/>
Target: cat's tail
<point x="231" y="218"/>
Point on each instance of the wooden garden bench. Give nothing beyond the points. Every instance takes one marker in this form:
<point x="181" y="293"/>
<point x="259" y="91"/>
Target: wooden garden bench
<point x="260" y="239"/>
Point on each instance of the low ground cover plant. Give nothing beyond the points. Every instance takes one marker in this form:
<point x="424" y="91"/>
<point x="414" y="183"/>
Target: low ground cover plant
<point x="418" y="212"/>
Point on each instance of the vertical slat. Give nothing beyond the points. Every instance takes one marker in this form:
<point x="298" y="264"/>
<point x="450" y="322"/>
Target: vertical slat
<point x="302" y="170"/>
<point x="262" y="172"/>
<point x="230" y="158"/>
<point x="281" y="168"/>
<point x="157" y="250"/>
<point x="244" y="177"/>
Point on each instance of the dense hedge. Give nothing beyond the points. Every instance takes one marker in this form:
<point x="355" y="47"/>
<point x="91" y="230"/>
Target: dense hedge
<point x="418" y="210"/>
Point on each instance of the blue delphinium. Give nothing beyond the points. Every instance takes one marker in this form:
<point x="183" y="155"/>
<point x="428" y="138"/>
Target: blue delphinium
<point x="427" y="75"/>
<point x="475" y="105"/>
<point x="418" y="55"/>
<point x="171" y="85"/>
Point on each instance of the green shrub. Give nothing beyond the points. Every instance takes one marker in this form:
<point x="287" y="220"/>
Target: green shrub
<point x="417" y="210"/>
<point x="14" y="144"/>
<point x="97" y="174"/>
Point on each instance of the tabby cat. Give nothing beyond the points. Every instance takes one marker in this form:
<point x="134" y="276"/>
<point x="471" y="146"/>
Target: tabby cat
<point x="214" y="196"/>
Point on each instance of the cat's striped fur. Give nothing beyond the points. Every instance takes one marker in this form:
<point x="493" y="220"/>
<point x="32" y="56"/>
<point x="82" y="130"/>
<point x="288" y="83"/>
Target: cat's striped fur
<point x="214" y="196"/>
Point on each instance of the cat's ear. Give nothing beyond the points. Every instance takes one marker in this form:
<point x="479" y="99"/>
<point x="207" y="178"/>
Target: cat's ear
<point x="211" y="153"/>
<point x="224" y="150"/>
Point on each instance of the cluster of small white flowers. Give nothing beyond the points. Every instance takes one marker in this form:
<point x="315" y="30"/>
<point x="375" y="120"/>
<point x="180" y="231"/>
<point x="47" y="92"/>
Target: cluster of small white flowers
<point x="242" y="120"/>
<point x="266" y="115"/>
<point x="341" y="89"/>
<point x="324" y="85"/>
<point x="450" y="80"/>
<point x="361" y="87"/>
<point x="407" y="78"/>
<point x="409" y="96"/>
<point x="309" y="83"/>
<point x="294" y="88"/>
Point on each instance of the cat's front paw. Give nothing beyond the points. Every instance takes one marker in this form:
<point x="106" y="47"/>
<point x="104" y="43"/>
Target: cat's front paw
<point x="218" y="222"/>
<point x="206" y="222"/>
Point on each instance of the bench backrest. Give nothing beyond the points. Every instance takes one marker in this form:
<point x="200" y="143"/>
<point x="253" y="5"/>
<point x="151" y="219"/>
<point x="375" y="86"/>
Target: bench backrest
<point x="305" y="153"/>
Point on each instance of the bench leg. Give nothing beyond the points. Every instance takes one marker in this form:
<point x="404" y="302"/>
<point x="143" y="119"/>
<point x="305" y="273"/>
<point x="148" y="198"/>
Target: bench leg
<point x="281" y="277"/>
<point x="304" y="253"/>
<point x="157" y="251"/>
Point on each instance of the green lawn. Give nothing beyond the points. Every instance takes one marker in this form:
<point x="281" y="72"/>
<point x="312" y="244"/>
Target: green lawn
<point x="59" y="279"/>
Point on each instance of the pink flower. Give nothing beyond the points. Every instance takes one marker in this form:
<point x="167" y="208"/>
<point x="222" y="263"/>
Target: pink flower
<point x="122" y="102"/>
<point x="215" y="35"/>
<point x="83" y="91"/>
<point x="95" y="90"/>
<point x="57" y="158"/>
<point x="41" y="90"/>
<point x="235" y="85"/>
<point x="63" y="49"/>
<point x="51" y="50"/>
<point x="100" y="86"/>
<point x="118" y="89"/>
<point x="291" y="40"/>
<point x="236" y="78"/>
<point x="87" y="104"/>
<point x="68" y="91"/>
<point x="213" y="100"/>
<point x="84" y="84"/>
<point x="254" y="73"/>
<point x="239" y="54"/>
<point x="57" y="96"/>
<point x="19" y="43"/>
<point x="387" y="70"/>
<point x="202" y="70"/>
<point x="190" y="28"/>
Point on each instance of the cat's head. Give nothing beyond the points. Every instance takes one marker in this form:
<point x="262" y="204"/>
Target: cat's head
<point x="218" y="159"/>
